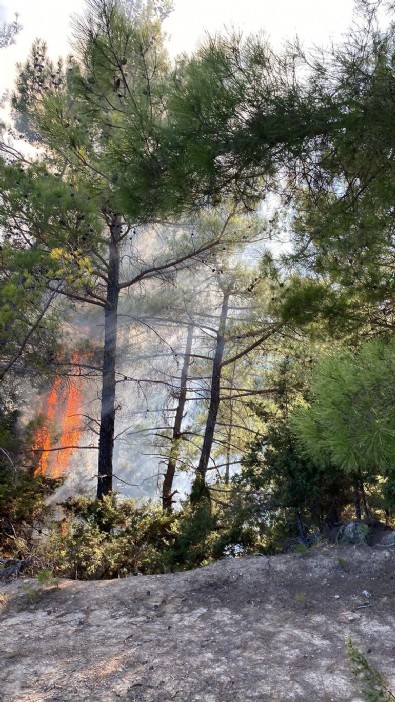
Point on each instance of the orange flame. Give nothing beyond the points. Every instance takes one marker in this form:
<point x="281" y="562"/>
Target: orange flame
<point x="61" y="409"/>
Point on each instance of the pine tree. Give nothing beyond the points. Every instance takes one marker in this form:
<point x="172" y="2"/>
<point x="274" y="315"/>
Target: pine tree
<point x="344" y="223"/>
<point x="8" y="32"/>
<point x="81" y="209"/>
<point x="349" y="421"/>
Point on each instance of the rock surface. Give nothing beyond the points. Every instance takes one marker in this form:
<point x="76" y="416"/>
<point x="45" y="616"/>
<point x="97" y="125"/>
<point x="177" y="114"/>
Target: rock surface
<point x="263" y="629"/>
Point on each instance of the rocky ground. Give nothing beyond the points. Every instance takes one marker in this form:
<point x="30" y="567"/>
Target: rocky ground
<point x="264" y="629"/>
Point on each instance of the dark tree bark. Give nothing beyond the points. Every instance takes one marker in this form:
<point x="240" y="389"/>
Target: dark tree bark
<point x="300" y="525"/>
<point x="363" y="497"/>
<point x="107" y="417"/>
<point x="215" y="395"/>
<point x="230" y="429"/>
<point x="357" y="499"/>
<point x="167" y="494"/>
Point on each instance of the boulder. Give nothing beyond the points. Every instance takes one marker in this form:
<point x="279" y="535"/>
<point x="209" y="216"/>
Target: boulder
<point x="353" y="533"/>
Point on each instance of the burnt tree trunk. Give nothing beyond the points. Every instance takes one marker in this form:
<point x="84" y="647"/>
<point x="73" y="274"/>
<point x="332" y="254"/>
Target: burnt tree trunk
<point x="215" y="394"/>
<point x="107" y="416"/>
<point x="167" y="494"/>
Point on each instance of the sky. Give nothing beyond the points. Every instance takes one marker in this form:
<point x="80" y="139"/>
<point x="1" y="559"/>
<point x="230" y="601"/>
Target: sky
<point x="314" y="21"/>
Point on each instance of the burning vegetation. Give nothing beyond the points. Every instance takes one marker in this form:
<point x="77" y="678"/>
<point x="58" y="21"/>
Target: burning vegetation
<point x="59" y="434"/>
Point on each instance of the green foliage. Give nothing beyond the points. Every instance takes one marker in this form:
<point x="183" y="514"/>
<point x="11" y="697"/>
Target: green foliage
<point x="22" y="508"/>
<point x="124" y="134"/>
<point x="200" y="492"/>
<point x="344" y="218"/>
<point x="194" y="538"/>
<point x="37" y="75"/>
<point x="315" y="304"/>
<point x="33" y="595"/>
<point x="46" y="577"/>
<point x="386" y="490"/>
<point x="350" y="421"/>
<point x="113" y="538"/>
<point x="22" y="495"/>
<point x="300" y="598"/>
<point x="239" y="520"/>
<point x="28" y="328"/>
<point x="103" y="539"/>
<point x="375" y="686"/>
<point x="235" y="114"/>
<point x="302" y="549"/>
<point x="292" y="497"/>
<point x="305" y="300"/>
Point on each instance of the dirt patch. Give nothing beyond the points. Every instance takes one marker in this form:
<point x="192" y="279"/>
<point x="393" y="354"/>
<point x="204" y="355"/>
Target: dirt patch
<point x="264" y="629"/>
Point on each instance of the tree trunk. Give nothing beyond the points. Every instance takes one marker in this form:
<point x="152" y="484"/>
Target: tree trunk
<point x="357" y="499"/>
<point x="230" y="429"/>
<point x="107" y="417"/>
<point x="300" y="525"/>
<point x="363" y="497"/>
<point x="167" y="494"/>
<point x="215" y="391"/>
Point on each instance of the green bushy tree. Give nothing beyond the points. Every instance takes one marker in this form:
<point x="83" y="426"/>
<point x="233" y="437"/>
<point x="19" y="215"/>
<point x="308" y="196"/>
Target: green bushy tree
<point x="350" y="420"/>
<point x="343" y="224"/>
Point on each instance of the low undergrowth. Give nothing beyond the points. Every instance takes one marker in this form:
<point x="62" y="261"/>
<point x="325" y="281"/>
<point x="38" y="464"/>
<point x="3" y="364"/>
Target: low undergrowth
<point x="117" y="537"/>
<point x="374" y="685"/>
<point x="111" y="538"/>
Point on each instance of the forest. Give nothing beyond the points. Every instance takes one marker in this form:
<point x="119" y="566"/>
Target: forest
<point x="197" y="277"/>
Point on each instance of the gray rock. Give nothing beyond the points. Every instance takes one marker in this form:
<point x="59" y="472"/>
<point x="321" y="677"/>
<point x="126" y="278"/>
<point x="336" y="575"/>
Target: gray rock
<point x="388" y="539"/>
<point x="353" y="533"/>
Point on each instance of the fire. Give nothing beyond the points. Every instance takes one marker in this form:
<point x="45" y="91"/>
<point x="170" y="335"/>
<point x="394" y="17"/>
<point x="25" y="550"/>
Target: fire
<point x="61" y="409"/>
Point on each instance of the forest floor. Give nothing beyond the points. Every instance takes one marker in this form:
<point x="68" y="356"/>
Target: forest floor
<point x="256" y="628"/>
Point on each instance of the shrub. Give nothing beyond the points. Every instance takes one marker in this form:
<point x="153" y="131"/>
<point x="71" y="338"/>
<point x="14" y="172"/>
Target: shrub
<point x="374" y="685"/>
<point x="107" y="539"/>
<point x="114" y="538"/>
<point x="22" y="495"/>
<point x="22" y="510"/>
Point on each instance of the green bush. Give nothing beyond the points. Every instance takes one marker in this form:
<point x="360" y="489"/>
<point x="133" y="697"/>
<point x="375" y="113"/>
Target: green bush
<point x="194" y="537"/>
<point x="23" y="510"/>
<point x="107" y="539"/>
<point x="114" y="538"/>
<point x="297" y="497"/>
<point x="22" y="495"/>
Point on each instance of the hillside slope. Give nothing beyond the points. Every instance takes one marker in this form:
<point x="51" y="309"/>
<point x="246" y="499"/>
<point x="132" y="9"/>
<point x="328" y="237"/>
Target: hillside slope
<point x="264" y="629"/>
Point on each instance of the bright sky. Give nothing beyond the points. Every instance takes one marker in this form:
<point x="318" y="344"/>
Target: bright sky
<point x="315" y="21"/>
